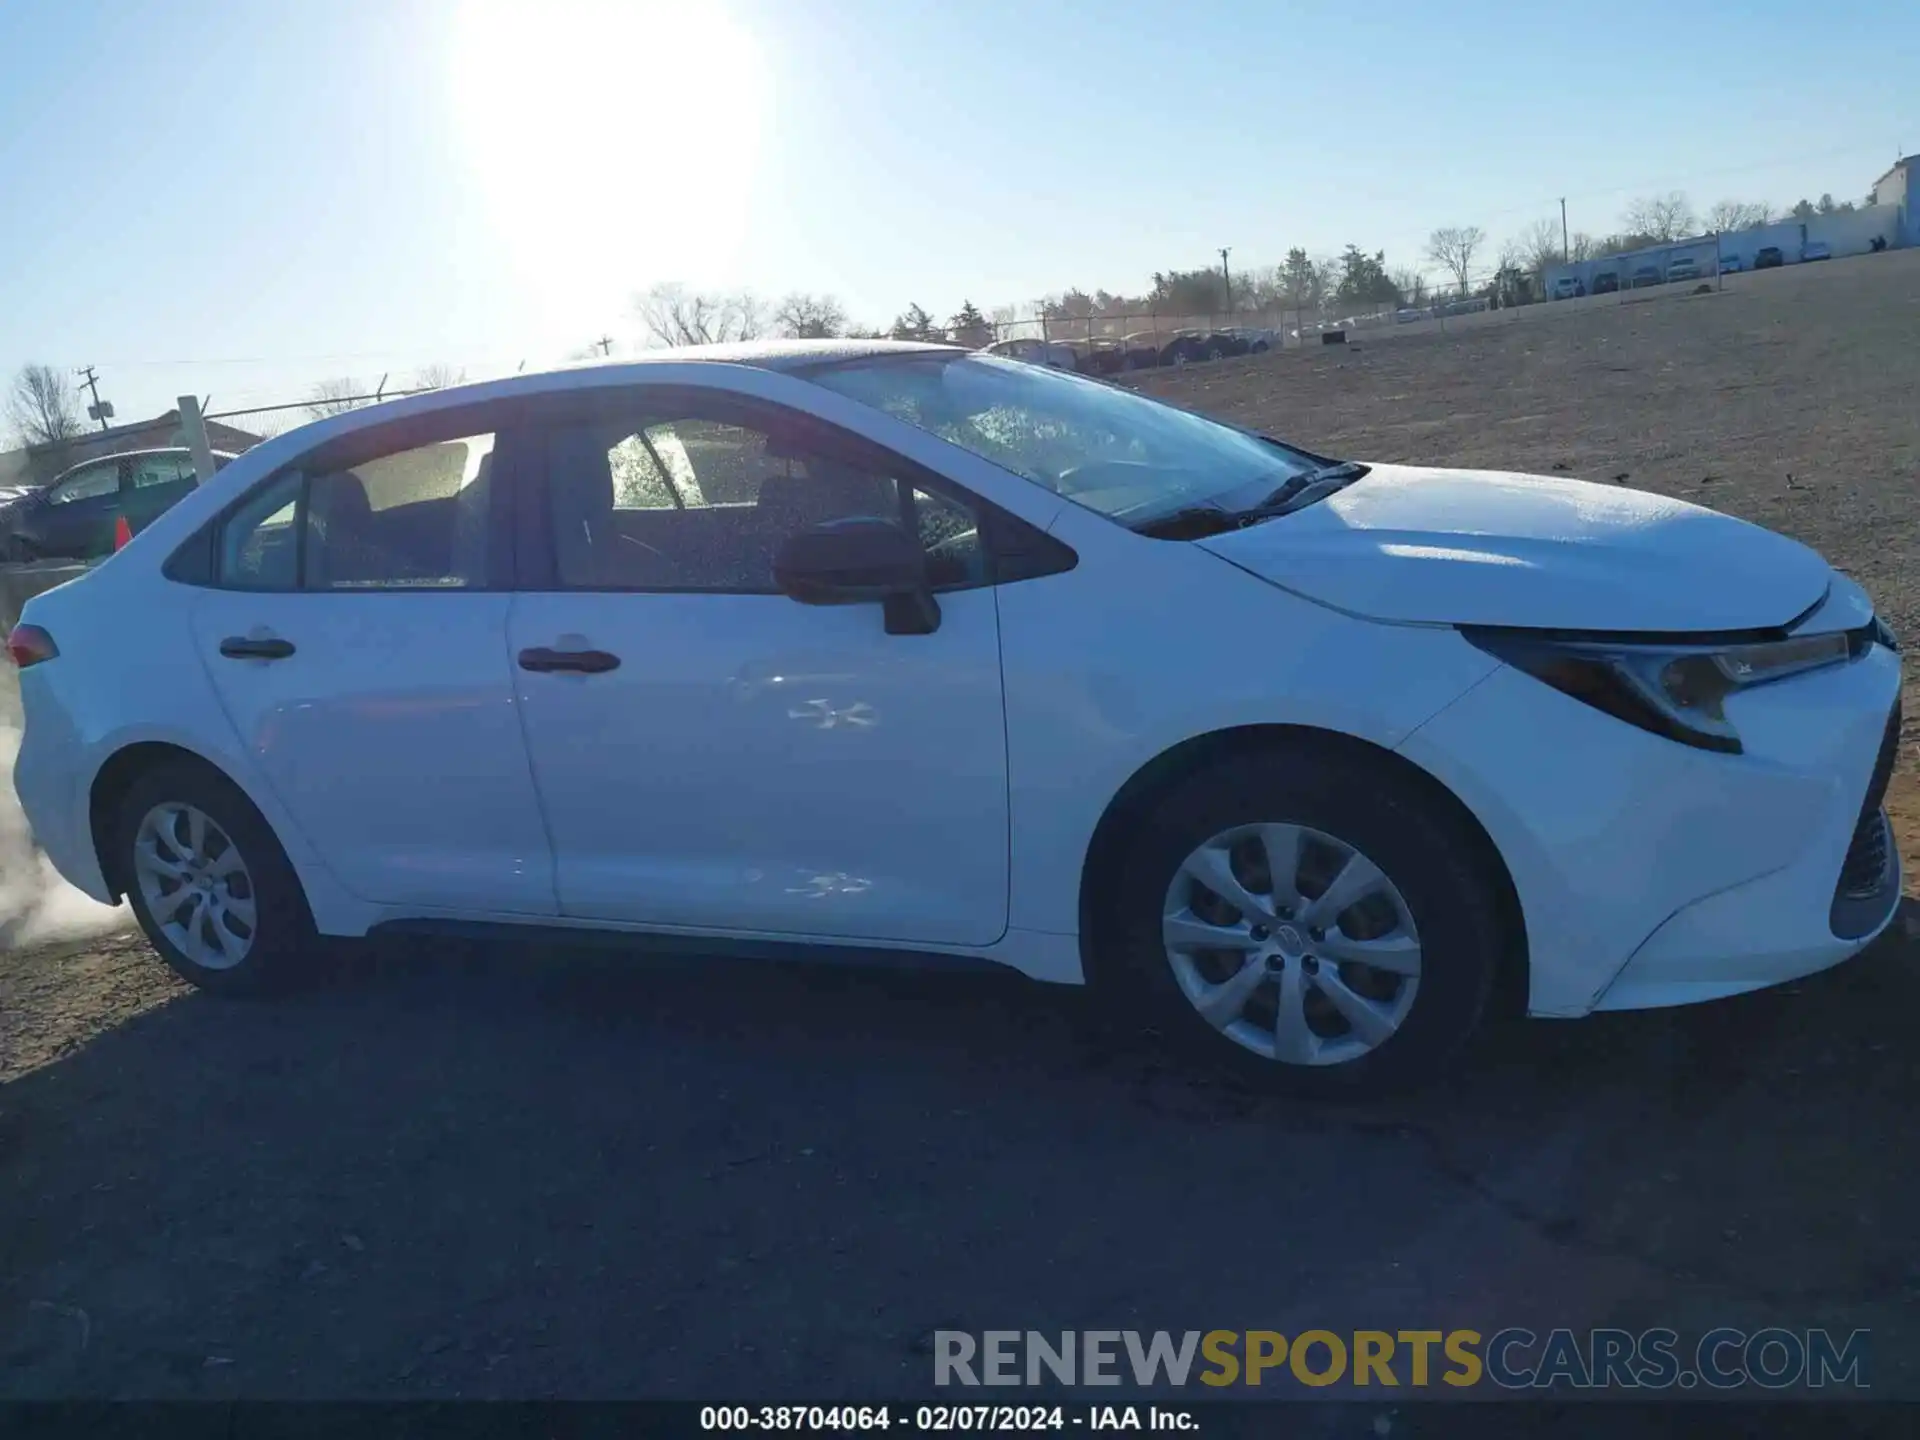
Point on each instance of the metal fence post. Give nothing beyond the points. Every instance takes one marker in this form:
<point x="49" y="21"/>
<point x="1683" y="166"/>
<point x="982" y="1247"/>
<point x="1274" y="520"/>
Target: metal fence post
<point x="193" y="428"/>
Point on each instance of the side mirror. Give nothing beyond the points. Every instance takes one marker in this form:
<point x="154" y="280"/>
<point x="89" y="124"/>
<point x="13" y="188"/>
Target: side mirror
<point x="860" y="559"/>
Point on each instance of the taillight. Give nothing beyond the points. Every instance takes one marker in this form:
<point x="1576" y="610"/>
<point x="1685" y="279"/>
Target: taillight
<point x="29" y="645"/>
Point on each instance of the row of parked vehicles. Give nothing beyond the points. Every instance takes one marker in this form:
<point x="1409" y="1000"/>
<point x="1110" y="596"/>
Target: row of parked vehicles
<point x="1143" y="350"/>
<point x="1683" y="267"/>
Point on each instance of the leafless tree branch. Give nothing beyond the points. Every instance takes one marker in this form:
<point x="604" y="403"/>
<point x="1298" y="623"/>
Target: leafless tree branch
<point x="1453" y="248"/>
<point x="41" y="406"/>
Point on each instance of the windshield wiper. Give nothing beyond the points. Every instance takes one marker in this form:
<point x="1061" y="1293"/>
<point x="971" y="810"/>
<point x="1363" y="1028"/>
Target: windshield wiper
<point x="1311" y="485"/>
<point x="1194" y="522"/>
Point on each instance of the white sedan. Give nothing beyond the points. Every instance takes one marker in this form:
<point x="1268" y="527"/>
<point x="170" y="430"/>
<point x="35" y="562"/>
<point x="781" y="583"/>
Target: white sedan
<point x="908" y="651"/>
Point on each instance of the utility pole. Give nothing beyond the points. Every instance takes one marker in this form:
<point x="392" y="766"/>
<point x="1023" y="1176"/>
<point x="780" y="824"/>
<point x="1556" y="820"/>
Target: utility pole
<point x="1564" y="256"/>
<point x="1226" y="276"/>
<point x="605" y="342"/>
<point x="92" y="382"/>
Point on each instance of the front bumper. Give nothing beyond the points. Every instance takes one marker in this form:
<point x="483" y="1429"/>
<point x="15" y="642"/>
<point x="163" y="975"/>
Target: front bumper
<point x="1650" y="873"/>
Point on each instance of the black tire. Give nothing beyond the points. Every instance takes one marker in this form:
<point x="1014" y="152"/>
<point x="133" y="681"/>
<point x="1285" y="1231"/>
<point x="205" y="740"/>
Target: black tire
<point x="1260" y="347"/>
<point x="1428" y="851"/>
<point x="283" y="939"/>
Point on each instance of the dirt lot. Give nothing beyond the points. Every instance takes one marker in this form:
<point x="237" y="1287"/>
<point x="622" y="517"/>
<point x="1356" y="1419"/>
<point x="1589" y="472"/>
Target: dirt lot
<point x="454" y="1172"/>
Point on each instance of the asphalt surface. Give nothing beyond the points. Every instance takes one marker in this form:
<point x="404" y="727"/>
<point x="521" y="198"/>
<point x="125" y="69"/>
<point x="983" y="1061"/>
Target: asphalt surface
<point x="460" y="1172"/>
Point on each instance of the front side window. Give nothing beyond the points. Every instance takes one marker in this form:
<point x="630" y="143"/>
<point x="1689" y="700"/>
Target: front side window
<point x="1109" y="449"/>
<point x="698" y="504"/>
<point x="415" y="519"/>
<point x="89" y="484"/>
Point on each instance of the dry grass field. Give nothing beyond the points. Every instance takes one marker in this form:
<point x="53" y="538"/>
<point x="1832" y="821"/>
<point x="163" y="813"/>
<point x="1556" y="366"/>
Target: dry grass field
<point x="1791" y="398"/>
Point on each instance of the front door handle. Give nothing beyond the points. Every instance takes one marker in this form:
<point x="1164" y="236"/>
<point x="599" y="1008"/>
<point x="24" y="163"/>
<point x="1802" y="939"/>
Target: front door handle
<point x="577" y="662"/>
<point x="242" y="647"/>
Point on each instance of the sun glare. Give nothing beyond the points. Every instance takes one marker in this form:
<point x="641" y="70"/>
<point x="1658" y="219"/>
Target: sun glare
<point x="614" y="142"/>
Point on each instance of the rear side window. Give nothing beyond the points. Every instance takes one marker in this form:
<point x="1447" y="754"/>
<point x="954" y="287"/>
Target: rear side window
<point x="161" y="470"/>
<point x="259" y="547"/>
<point x="415" y="519"/>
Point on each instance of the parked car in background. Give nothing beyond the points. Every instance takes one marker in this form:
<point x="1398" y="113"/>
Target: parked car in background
<point x="1607" y="282"/>
<point x="1645" y="275"/>
<point x="1768" y="257"/>
<point x="1259" y="339"/>
<point x="1186" y="347"/>
<point x="692" y="705"/>
<point x="1567" y="287"/>
<point x="1684" y="268"/>
<point x="73" y="517"/>
<point x="1142" y="349"/>
<point x="1101" y="357"/>
<point x="1056" y="353"/>
<point x="1816" y="250"/>
<point x="1407" y="315"/>
<point x="1730" y="264"/>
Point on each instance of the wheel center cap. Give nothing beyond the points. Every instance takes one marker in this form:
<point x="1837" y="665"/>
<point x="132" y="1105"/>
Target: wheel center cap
<point x="1289" y="939"/>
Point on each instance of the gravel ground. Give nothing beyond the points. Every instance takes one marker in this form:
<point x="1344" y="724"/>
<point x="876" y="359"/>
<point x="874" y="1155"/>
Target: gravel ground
<point x="457" y="1172"/>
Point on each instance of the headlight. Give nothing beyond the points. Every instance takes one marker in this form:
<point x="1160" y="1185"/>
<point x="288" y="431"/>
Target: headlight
<point x="1673" y="690"/>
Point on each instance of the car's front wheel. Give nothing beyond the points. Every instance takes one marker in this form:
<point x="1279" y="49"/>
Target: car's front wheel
<point x="209" y="883"/>
<point x="1320" y="921"/>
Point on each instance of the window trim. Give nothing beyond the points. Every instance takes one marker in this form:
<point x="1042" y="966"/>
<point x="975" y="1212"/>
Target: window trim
<point x="120" y="483"/>
<point x="1004" y="536"/>
<point x="196" y="561"/>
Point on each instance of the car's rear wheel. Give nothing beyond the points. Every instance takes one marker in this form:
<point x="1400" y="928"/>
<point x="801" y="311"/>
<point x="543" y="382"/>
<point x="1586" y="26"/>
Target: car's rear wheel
<point x="1316" y="921"/>
<point x="209" y="883"/>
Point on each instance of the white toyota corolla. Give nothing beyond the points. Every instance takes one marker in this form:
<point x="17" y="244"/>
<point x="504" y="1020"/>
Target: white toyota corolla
<point x="911" y="651"/>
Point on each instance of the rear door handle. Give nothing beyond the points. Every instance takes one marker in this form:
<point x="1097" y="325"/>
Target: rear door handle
<point x="242" y="647"/>
<point x="577" y="662"/>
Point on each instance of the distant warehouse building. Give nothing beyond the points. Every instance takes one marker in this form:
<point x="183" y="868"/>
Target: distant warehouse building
<point x="1900" y="186"/>
<point x="1892" y="220"/>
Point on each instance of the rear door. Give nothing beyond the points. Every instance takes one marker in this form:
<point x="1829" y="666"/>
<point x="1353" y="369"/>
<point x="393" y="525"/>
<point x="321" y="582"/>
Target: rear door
<point x="355" y="629"/>
<point x="156" y="484"/>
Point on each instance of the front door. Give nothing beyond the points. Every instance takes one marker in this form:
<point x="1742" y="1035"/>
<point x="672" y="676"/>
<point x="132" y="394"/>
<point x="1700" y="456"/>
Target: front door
<point x="363" y="664"/>
<point x="715" y="756"/>
<point x="76" y="520"/>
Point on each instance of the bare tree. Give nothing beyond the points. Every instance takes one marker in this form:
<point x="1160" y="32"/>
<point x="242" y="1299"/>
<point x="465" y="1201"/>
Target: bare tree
<point x="41" y="406"/>
<point x="675" y="315"/>
<point x="334" y="397"/>
<point x="811" y="317"/>
<point x="1583" y="247"/>
<point x="1540" y="245"/>
<point x="1412" y="286"/>
<point x="1729" y="215"/>
<point x="438" y="377"/>
<point x="1453" y="249"/>
<point x="1662" y="217"/>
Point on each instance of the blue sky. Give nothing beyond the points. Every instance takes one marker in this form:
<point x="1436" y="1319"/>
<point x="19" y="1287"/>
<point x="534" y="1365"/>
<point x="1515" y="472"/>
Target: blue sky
<point x="243" y="198"/>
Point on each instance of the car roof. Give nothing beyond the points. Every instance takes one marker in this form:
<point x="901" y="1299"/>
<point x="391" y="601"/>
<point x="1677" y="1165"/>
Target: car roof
<point x="776" y="354"/>
<point x="132" y="455"/>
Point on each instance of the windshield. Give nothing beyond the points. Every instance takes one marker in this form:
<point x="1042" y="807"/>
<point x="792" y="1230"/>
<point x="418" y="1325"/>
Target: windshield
<point x="1113" y="451"/>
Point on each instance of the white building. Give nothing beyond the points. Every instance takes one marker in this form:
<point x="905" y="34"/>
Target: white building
<point x="1900" y="187"/>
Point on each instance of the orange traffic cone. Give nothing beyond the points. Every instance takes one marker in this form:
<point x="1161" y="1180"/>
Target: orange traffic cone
<point x="122" y="532"/>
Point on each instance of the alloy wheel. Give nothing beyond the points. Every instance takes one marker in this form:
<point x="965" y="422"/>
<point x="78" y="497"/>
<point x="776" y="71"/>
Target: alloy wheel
<point x="1292" y="944"/>
<point x="196" y="885"/>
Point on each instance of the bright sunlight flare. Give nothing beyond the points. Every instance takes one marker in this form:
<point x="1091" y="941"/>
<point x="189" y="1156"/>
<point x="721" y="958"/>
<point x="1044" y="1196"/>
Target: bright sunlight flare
<point x="614" y="142"/>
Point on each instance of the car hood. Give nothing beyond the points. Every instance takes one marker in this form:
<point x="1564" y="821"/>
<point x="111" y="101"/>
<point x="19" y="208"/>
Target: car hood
<point x="1482" y="547"/>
